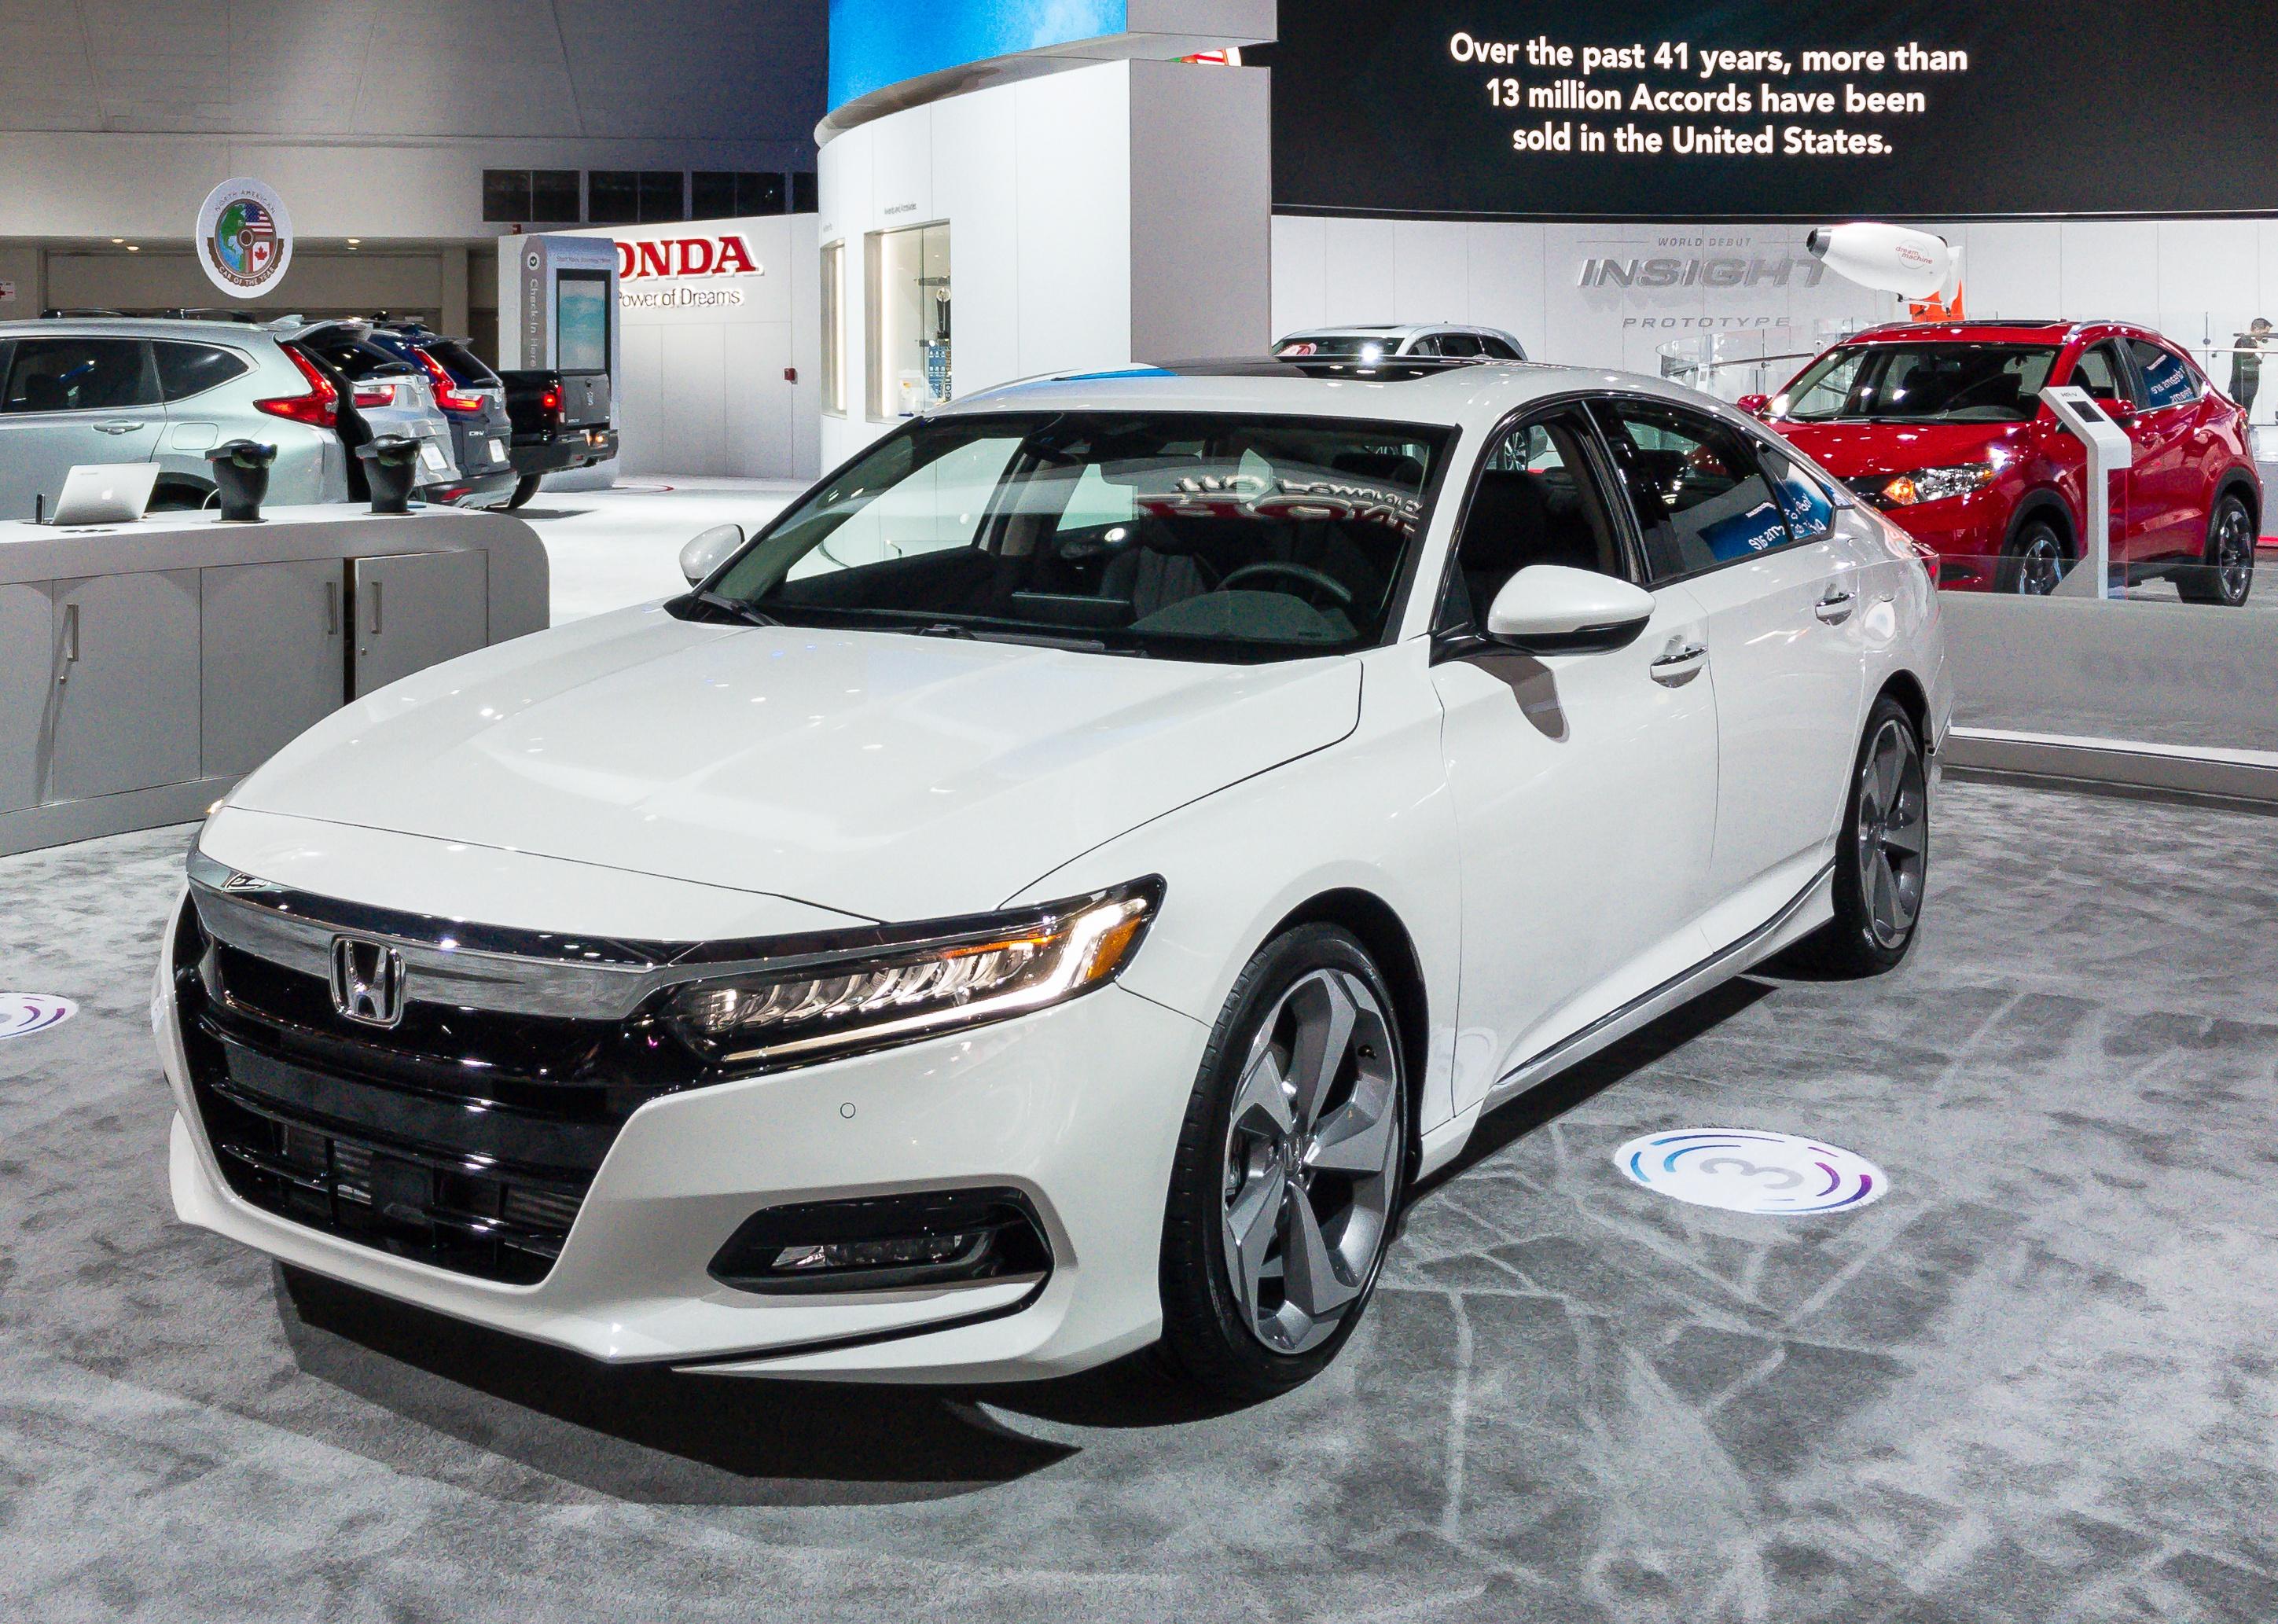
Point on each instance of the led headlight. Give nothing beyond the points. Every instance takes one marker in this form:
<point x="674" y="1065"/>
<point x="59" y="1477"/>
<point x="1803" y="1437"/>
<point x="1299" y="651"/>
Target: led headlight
<point x="1937" y="484"/>
<point x="904" y="984"/>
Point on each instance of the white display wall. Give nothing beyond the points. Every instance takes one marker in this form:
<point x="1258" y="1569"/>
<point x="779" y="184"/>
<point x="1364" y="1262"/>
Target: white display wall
<point x="705" y="345"/>
<point x="1077" y="234"/>
<point x="2196" y="280"/>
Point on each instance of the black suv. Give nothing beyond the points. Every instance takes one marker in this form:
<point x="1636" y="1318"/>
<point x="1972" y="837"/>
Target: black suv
<point x="474" y="400"/>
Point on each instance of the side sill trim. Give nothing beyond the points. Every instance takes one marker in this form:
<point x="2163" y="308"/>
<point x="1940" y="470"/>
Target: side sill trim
<point x="1616" y="1024"/>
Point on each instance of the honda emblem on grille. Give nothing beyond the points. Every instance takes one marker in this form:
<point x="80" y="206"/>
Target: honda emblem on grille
<point x="367" y="981"/>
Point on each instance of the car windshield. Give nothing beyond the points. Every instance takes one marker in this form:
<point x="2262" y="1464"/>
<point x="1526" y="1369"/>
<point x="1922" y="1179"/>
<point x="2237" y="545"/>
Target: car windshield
<point x="1187" y="536"/>
<point x="1341" y="346"/>
<point x="1920" y="383"/>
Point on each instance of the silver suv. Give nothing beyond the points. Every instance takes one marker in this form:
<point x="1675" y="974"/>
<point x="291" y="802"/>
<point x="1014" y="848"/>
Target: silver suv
<point x="116" y="389"/>
<point x="1448" y="340"/>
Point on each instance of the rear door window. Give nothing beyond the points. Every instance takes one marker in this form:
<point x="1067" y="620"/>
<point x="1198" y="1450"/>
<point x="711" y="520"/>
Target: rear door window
<point x="1495" y="349"/>
<point x="1701" y="498"/>
<point x="2099" y="372"/>
<point x="467" y="369"/>
<point x="2168" y="381"/>
<point x="186" y="369"/>
<point x="1809" y="509"/>
<point x="79" y="374"/>
<point x="1459" y="344"/>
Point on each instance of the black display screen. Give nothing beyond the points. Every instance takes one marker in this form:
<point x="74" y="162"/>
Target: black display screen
<point x="1834" y="109"/>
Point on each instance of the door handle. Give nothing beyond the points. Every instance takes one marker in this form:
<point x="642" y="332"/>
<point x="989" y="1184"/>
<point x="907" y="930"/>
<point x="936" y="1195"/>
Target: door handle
<point x="117" y="428"/>
<point x="1835" y="607"/>
<point x="71" y="641"/>
<point x="1679" y="663"/>
<point x="332" y="608"/>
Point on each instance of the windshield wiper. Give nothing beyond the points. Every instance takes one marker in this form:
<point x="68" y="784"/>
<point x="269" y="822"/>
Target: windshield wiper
<point x="715" y="606"/>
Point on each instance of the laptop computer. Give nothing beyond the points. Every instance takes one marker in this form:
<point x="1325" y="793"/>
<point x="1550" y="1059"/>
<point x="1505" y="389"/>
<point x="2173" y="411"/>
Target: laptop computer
<point x="105" y="494"/>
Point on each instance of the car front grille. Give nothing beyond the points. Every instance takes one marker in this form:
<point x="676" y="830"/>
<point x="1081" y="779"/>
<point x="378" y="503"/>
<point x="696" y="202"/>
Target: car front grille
<point x="464" y="1140"/>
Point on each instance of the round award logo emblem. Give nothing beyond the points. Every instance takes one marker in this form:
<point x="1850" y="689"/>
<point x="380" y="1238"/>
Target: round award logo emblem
<point x="245" y="238"/>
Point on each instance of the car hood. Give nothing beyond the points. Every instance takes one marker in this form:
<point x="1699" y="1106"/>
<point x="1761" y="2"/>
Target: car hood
<point x="1858" y="450"/>
<point x="889" y="776"/>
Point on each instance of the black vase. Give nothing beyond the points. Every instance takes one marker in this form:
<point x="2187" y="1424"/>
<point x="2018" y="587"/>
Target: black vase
<point x="392" y="462"/>
<point x="240" y="471"/>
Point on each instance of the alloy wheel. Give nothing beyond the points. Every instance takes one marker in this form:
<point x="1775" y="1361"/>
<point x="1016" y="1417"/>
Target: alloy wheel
<point x="2233" y="552"/>
<point x="1312" y="1147"/>
<point x="1893" y="833"/>
<point x="2040" y="564"/>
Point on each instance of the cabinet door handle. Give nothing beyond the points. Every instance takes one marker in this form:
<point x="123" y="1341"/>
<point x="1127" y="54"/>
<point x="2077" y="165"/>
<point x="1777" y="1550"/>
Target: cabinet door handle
<point x="332" y="608"/>
<point x="374" y="609"/>
<point x="71" y="641"/>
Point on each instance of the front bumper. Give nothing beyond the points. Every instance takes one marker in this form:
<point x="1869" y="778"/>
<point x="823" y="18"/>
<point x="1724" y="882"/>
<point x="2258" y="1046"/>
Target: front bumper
<point x="1077" y="1107"/>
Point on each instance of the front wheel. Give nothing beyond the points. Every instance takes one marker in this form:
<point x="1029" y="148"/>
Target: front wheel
<point x="1882" y="861"/>
<point x="2034" y="561"/>
<point x="1288" y="1171"/>
<point x="2226" y="575"/>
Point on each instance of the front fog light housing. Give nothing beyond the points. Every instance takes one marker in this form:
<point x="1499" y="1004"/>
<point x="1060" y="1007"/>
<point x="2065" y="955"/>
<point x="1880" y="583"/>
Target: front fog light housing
<point x="899" y="985"/>
<point x="931" y="1238"/>
<point x="1937" y="484"/>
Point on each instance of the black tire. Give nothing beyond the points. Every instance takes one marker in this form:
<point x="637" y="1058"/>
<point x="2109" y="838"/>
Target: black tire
<point x="1242" y="1342"/>
<point x="2034" y="559"/>
<point x="181" y="496"/>
<point x="1872" y="930"/>
<point x="525" y="488"/>
<point x="2225" y="572"/>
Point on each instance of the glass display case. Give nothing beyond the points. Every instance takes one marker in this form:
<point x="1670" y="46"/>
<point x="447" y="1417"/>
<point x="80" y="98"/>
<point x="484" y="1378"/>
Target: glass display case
<point x="908" y="326"/>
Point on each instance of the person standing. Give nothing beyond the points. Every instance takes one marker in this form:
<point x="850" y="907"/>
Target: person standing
<point x="2246" y="362"/>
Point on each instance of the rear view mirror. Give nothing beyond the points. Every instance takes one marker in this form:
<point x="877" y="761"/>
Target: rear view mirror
<point x="1552" y="609"/>
<point x="708" y="549"/>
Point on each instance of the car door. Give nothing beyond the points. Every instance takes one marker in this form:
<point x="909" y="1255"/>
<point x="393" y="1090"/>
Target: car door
<point x="70" y="401"/>
<point x="190" y="377"/>
<point x="2172" y="493"/>
<point x="1783" y="610"/>
<point x="1584" y="784"/>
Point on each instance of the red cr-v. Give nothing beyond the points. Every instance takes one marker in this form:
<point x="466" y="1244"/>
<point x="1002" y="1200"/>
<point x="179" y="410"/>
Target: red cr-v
<point x="1942" y="427"/>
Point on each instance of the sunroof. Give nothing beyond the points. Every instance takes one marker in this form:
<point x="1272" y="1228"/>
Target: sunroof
<point x="1405" y="369"/>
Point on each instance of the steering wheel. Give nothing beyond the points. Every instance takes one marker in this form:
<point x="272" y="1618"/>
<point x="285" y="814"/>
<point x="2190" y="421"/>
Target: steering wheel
<point x="1317" y="579"/>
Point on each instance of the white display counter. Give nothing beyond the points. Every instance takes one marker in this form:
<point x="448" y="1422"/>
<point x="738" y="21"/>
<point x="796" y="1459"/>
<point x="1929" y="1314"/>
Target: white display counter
<point x="146" y="667"/>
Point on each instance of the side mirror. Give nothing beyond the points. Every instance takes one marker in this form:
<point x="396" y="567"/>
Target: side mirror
<point x="1756" y="405"/>
<point x="1551" y="608"/>
<point x="2120" y="410"/>
<point x="707" y="548"/>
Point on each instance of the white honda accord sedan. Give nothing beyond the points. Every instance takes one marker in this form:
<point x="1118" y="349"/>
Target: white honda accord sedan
<point x="1055" y="889"/>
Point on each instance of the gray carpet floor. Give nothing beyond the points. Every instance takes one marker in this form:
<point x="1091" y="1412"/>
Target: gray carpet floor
<point x="2038" y="1382"/>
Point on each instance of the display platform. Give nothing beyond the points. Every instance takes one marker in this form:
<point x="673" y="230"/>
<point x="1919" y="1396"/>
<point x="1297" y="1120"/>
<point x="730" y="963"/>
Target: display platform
<point x="146" y="667"/>
<point x="2031" y="1381"/>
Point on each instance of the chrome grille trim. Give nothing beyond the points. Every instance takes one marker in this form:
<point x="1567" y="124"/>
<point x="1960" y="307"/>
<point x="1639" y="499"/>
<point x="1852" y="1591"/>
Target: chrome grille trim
<point x="507" y="970"/>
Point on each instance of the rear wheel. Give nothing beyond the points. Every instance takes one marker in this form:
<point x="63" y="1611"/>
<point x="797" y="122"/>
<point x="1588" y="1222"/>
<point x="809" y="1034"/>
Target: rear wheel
<point x="1881" y="863"/>
<point x="525" y="488"/>
<point x="1289" y="1168"/>
<point x="2034" y="561"/>
<point x="2226" y="575"/>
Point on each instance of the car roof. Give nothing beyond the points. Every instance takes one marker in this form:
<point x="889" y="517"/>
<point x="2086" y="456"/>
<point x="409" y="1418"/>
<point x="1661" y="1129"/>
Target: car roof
<point x="1994" y="330"/>
<point x="1401" y="330"/>
<point x="212" y="330"/>
<point x="1460" y="394"/>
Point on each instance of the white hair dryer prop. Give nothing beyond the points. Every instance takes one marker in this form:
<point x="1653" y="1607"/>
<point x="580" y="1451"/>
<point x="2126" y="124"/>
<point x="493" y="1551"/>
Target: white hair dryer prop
<point x="1918" y="266"/>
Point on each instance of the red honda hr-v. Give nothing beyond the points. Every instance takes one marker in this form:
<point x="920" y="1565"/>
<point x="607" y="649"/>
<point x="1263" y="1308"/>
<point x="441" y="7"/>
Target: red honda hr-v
<point x="1942" y="427"/>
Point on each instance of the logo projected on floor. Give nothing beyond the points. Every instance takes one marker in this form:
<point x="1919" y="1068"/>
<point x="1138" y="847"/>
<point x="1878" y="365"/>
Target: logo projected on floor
<point x="22" y="1012"/>
<point x="1742" y="1170"/>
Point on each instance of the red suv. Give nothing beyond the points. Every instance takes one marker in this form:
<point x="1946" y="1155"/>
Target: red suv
<point x="1942" y="427"/>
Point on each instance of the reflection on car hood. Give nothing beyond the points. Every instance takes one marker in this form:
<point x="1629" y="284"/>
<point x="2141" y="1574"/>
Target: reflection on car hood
<point x="890" y="776"/>
<point x="1854" y="450"/>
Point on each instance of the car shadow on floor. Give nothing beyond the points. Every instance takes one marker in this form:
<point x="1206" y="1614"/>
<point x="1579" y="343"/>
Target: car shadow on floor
<point x="643" y="1433"/>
